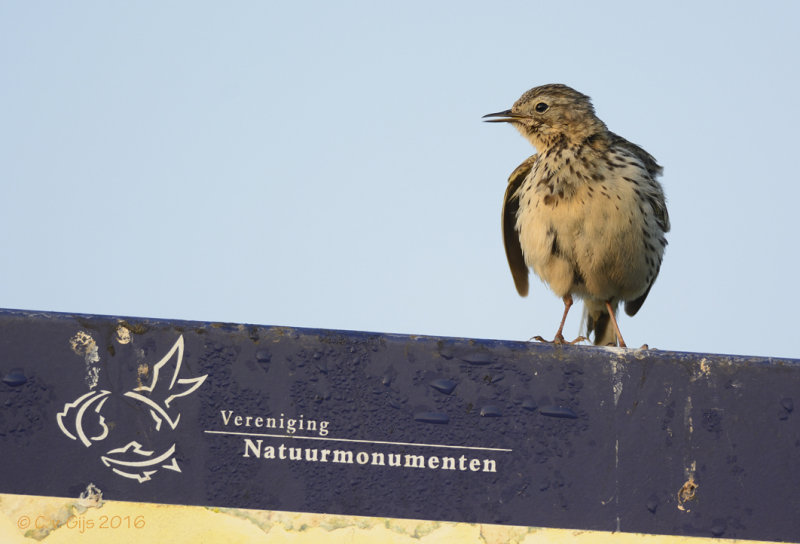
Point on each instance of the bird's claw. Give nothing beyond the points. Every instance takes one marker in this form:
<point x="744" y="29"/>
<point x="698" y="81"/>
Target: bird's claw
<point x="559" y="340"/>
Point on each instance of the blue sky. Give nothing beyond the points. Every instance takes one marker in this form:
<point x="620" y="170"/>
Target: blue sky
<point x="325" y="164"/>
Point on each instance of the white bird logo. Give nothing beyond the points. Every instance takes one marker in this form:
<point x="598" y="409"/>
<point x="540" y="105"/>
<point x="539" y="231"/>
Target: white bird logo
<point x="132" y="460"/>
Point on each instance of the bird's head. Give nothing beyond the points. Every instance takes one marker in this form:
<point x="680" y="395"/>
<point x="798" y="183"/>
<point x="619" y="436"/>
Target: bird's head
<point x="551" y="113"/>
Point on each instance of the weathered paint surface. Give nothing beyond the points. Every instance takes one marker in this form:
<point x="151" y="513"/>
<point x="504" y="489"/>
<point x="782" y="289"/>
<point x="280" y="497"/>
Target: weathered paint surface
<point x="486" y="432"/>
<point x="26" y="519"/>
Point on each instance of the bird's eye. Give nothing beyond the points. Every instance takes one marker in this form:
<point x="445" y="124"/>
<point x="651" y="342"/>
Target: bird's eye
<point x="541" y="107"/>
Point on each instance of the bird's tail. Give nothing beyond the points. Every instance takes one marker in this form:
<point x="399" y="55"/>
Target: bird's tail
<point x="598" y="323"/>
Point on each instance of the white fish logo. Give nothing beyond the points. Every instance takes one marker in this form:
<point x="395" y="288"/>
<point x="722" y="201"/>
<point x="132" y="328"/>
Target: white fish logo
<point x="82" y="419"/>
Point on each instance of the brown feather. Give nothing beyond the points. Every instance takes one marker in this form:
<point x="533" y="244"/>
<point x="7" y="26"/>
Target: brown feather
<point x="516" y="261"/>
<point x="632" y="306"/>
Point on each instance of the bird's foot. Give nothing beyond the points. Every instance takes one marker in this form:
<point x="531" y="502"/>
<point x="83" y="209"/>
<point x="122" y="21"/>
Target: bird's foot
<point x="559" y="339"/>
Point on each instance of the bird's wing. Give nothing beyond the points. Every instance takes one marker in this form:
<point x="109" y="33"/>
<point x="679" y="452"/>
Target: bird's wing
<point x="649" y="162"/>
<point x="632" y="306"/>
<point x="516" y="261"/>
<point x="654" y="194"/>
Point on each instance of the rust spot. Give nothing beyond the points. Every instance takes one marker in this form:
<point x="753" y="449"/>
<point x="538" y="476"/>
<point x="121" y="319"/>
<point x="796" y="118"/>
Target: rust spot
<point x="687" y="492"/>
<point x="142" y="373"/>
<point x="135" y="329"/>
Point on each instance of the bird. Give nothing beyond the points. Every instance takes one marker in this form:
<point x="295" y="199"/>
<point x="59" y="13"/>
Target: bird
<point x="586" y="212"/>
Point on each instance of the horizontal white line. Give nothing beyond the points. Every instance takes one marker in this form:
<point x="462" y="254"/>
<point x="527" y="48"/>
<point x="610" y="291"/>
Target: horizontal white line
<point x="295" y="437"/>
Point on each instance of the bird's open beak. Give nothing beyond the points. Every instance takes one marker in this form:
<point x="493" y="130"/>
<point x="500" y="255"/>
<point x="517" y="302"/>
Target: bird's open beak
<point x="503" y="117"/>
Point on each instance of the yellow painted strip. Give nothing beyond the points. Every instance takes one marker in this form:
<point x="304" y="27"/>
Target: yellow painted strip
<point x="28" y="519"/>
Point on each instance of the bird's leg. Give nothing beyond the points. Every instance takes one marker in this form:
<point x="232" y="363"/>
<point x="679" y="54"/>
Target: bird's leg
<point x="616" y="327"/>
<point x="559" y="339"/>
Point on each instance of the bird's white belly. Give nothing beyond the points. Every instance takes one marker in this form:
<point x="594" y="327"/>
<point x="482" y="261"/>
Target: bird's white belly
<point x="590" y="244"/>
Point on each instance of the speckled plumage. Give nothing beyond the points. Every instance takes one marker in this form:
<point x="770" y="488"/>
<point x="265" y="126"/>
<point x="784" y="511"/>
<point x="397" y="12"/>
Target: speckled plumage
<point x="586" y="212"/>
